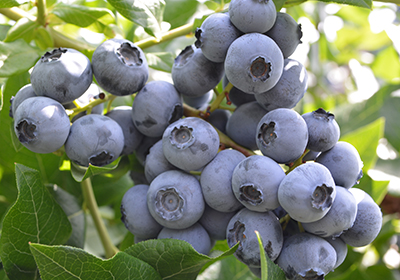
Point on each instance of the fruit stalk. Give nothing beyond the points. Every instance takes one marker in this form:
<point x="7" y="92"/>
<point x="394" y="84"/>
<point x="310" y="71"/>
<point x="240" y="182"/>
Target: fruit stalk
<point x="41" y="12"/>
<point x="91" y="204"/>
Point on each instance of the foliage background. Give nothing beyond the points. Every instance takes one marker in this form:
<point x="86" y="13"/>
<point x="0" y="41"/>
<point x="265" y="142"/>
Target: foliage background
<point x="352" y="56"/>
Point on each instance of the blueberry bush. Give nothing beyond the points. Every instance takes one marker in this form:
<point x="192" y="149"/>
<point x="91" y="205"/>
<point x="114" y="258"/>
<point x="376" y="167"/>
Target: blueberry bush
<point x="199" y="139"/>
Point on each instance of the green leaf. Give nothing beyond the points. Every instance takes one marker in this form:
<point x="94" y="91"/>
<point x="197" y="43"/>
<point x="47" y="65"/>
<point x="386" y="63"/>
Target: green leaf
<point x="3" y="31"/>
<point x="35" y="217"/>
<point x="366" y="140"/>
<point x="75" y="214"/>
<point x="63" y="262"/>
<point x="387" y="64"/>
<point x="23" y="28"/>
<point x="12" y="3"/>
<point x="390" y="110"/>
<point x="172" y="258"/>
<point x="162" y="61"/>
<point x="80" y="173"/>
<point x="84" y="16"/>
<point x="43" y="38"/>
<point x="358" y="3"/>
<point x="179" y="12"/>
<point x="146" y="13"/>
<point x="269" y="270"/>
<point x="16" y="57"/>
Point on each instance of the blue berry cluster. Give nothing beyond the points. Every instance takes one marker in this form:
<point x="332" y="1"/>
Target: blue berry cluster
<point x="296" y="188"/>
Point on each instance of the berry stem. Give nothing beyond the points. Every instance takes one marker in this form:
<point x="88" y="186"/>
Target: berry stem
<point x="296" y="163"/>
<point x="73" y="112"/>
<point x="169" y="35"/>
<point x="228" y="142"/>
<point x="41" y="12"/>
<point x="220" y="97"/>
<point x="91" y="204"/>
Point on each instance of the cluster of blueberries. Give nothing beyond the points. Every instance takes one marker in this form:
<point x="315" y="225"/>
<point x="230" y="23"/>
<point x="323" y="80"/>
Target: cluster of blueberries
<point x="306" y="215"/>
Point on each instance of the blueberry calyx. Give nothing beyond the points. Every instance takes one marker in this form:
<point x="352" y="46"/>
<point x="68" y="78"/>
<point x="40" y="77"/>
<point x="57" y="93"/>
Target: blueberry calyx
<point x="184" y="56"/>
<point x="129" y="55"/>
<point x="267" y="133"/>
<point x="26" y="131"/>
<point x="54" y="55"/>
<point x="322" y="114"/>
<point x="238" y="236"/>
<point x="199" y="41"/>
<point x="182" y="137"/>
<point x="101" y="159"/>
<point x="321" y="197"/>
<point x="251" y="194"/>
<point x="169" y="204"/>
<point x="260" y="69"/>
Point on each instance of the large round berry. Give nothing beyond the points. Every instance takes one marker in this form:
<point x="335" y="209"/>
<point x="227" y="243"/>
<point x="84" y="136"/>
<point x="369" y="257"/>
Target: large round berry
<point x="215" y="222"/>
<point x="216" y="181"/>
<point x="344" y="163"/>
<point x="323" y="130"/>
<point x="252" y="15"/>
<point x="41" y="124"/>
<point x="241" y="229"/>
<point x="63" y="74"/>
<point x="195" y="235"/>
<point x="306" y="256"/>
<point x="120" y="67"/>
<point x="190" y="143"/>
<point x="175" y="200"/>
<point x="156" y="163"/>
<point x="254" y="63"/>
<point x="282" y="135"/>
<point x="368" y="222"/>
<point x="307" y="192"/>
<point x="215" y="36"/>
<point x="156" y="105"/>
<point x="255" y="183"/>
<point x="286" y="32"/>
<point x="135" y="214"/>
<point x="193" y="74"/>
<point x="289" y="90"/>
<point x="94" y="139"/>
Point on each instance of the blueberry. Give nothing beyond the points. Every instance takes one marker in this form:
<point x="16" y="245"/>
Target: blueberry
<point x="241" y="229"/>
<point x="339" y="218"/>
<point x="254" y="63"/>
<point x="323" y="130"/>
<point x="307" y="192"/>
<point x="63" y="74"/>
<point x="120" y="67"/>
<point x="190" y="143"/>
<point x="236" y="96"/>
<point x="219" y="118"/>
<point x="286" y="32"/>
<point x="242" y="124"/>
<point x="41" y="124"/>
<point x="22" y="94"/>
<point x="91" y="94"/>
<point x="156" y="163"/>
<point x="136" y="215"/>
<point x="306" y="256"/>
<point x="216" y="181"/>
<point x="282" y="135"/>
<point x="255" y="183"/>
<point x="252" y="16"/>
<point x="156" y="105"/>
<point x="368" y="222"/>
<point x="132" y="136"/>
<point x="289" y="90"/>
<point x="193" y="74"/>
<point x="195" y="235"/>
<point x="344" y="163"/>
<point x="94" y="139"/>
<point x="341" y="250"/>
<point x="215" y="36"/>
<point x="143" y="149"/>
<point x="215" y="222"/>
<point x="175" y="199"/>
